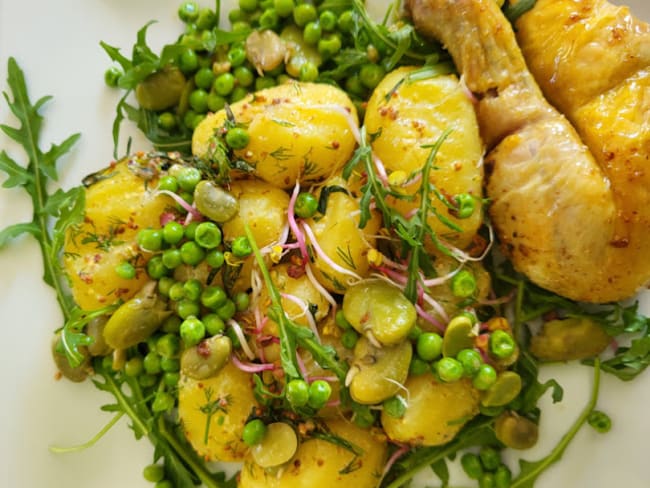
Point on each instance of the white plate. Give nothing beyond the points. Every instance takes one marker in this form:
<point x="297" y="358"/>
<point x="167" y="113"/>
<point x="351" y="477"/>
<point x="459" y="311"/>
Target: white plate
<point x="57" y="45"/>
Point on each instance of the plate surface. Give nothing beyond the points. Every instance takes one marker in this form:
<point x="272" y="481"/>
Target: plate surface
<point x="57" y="45"/>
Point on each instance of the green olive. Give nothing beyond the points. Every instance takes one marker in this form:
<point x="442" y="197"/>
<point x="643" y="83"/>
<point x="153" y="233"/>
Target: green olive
<point x="515" y="431"/>
<point x="214" y="202"/>
<point x="161" y="90"/>
<point x="569" y="339"/>
<point x="265" y="50"/>
<point x="503" y="391"/>
<point x="76" y="374"/>
<point x="136" y="319"/>
<point x="95" y="329"/>
<point x="298" y="52"/>
<point x="458" y="336"/>
<point x="379" y="308"/>
<point x="206" y="358"/>
<point x="279" y="444"/>
<point x="377" y="372"/>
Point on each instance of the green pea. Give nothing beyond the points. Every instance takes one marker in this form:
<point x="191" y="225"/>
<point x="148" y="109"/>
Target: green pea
<point x="306" y="205"/>
<point x="188" y="178"/>
<point x="171" y="324"/>
<point x="449" y="370"/>
<point x="371" y="74"/>
<point x="312" y="32"/>
<point x="215" y="258"/>
<point x="463" y="284"/>
<point x="176" y="291"/>
<point x="173" y="232"/>
<point x="340" y="320"/>
<point x="171" y="258"/>
<point x="215" y="102"/>
<point x="466" y="205"/>
<point x="227" y="310"/>
<point x="171" y="378"/>
<point x="206" y="19"/>
<point x="190" y="230"/>
<point x="253" y="432"/>
<point x="153" y="473"/>
<point x="264" y="82"/>
<point x="486" y="481"/>
<point x="485" y="377"/>
<point x="349" y="338"/>
<point x="236" y="56"/>
<point x="244" y="76"/>
<point x="213" y="297"/>
<point x="304" y="13"/>
<point x="501" y="344"/>
<point x="471" y="361"/>
<point x="284" y="8"/>
<point x="224" y="84"/>
<point x="112" y="76"/>
<point x="150" y="239"/>
<point x="188" y="11"/>
<point x="237" y="138"/>
<point x="418" y="366"/>
<point x="156" y="269"/>
<point x="147" y="380"/>
<point x="353" y="85"/>
<point x="162" y="402"/>
<point x="471" y="465"/>
<point x="502" y="477"/>
<point x="192" y="289"/>
<point x="248" y="5"/>
<point x="415" y="333"/>
<point x="167" y="121"/>
<point x="192" y="331"/>
<point x="187" y="308"/>
<point x="241" y="300"/>
<point x="297" y="393"/>
<point x="207" y="235"/>
<point x="241" y="247"/>
<point x="308" y="71"/>
<point x="240" y="26"/>
<point x="236" y="15"/>
<point x="214" y="324"/>
<point x="330" y="45"/>
<point x="168" y="183"/>
<point x="395" y="406"/>
<point x="319" y="393"/>
<point x="125" y="270"/>
<point x="164" y="484"/>
<point x="192" y="253"/>
<point x="269" y="19"/>
<point x="151" y="363"/>
<point x="188" y="61"/>
<point x="168" y="346"/>
<point x="490" y="458"/>
<point x="429" y="346"/>
<point x="346" y="21"/>
<point x="363" y="416"/>
<point x="170" y="365"/>
<point x="600" y="421"/>
<point x="134" y="367"/>
<point x="238" y="93"/>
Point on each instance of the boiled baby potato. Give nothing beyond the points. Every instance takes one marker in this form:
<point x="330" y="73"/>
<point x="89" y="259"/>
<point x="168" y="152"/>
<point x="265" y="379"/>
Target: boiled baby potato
<point x="263" y="207"/>
<point x="213" y="412"/>
<point x="435" y="413"/>
<point x="298" y="131"/>
<point x="403" y="115"/>
<point x="319" y="463"/>
<point x="338" y="235"/>
<point x="118" y="205"/>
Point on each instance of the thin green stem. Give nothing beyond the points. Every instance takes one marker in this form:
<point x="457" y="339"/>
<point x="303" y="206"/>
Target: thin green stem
<point x="92" y="441"/>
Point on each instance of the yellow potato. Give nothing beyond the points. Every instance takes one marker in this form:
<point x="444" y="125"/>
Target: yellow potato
<point x="118" y="205"/>
<point x="417" y="114"/>
<point x="264" y="208"/>
<point x="435" y="412"/>
<point x="319" y="463"/>
<point x="298" y="131"/>
<point x="213" y="413"/>
<point x="338" y="235"/>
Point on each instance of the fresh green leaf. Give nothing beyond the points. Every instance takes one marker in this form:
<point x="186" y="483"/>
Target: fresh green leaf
<point x="15" y="230"/>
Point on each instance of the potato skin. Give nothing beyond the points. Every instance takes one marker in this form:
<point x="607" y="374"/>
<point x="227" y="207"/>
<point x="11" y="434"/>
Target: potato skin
<point x="299" y="131"/>
<point x="415" y="115"/>
<point x="224" y="436"/>
<point x="118" y="206"/>
<point x="319" y="463"/>
<point x="436" y="411"/>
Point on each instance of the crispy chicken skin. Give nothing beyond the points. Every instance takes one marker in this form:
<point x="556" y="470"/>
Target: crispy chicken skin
<point x="574" y="219"/>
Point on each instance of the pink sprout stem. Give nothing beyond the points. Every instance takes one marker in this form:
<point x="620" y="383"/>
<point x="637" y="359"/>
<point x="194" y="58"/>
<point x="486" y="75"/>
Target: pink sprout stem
<point x="293" y="224"/>
<point x="251" y="367"/>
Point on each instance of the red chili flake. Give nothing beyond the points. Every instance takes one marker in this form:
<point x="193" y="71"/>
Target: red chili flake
<point x="203" y="349"/>
<point x="85" y="277"/>
<point x="295" y="271"/>
<point x="97" y="258"/>
<point x="336" y="144"/>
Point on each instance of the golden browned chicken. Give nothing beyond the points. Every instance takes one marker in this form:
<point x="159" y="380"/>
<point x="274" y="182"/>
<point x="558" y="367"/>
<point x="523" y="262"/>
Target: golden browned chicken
<point x="576" y="221"/>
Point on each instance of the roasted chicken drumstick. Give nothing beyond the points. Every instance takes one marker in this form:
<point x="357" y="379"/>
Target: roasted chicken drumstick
<point x="574" y="218"/>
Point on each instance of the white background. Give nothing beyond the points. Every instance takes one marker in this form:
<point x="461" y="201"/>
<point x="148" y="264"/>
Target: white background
<point x="57" y="45"/>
